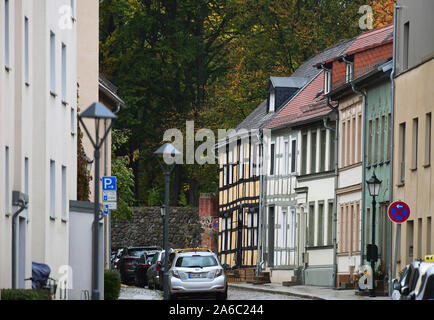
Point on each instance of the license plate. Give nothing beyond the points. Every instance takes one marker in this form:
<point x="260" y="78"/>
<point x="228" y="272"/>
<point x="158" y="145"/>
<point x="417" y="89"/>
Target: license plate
<point x="196" y="275"/>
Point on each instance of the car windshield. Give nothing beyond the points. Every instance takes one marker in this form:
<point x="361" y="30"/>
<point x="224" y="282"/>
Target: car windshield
<point x="136" y="252"/>
<point x="196" y="262"/>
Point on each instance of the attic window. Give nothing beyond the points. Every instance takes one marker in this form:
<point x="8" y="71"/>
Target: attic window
<point x="272" y="101"/>
<point x="327" y="81"/>
<point x="349" y="72"/>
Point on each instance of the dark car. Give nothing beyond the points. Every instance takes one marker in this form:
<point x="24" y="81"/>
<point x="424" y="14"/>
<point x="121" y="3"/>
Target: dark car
<point x="143" y="264"/>
<point x="128" y="261"/>
<point x="426" y="291"/>
<point x="408" y="287"/>
<point x="155" y="272"/>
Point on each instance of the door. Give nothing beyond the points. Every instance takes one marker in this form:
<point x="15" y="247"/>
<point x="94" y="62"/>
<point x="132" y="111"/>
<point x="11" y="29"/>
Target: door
<point x="271" y="236"/>
<point x="22" y="236"/>
<point x="240" y="238"/>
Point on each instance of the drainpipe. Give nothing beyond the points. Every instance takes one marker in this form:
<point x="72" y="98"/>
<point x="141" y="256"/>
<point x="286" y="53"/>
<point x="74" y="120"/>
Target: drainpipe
<point x="355" y="90"/>
<point x="335" y="204"/>
<point x="23" y="205"/>
<point x="392" y="273"/>
<point x="259" y="263"/>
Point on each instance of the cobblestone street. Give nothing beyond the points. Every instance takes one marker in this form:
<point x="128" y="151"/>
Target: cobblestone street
<point x="134" y="293"/>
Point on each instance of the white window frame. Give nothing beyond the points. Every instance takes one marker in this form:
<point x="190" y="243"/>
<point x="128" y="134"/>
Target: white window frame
<point x="327" y="81"/>
<point x="52" y="189"/>
<point x="64" y="194"/>
<point x="349" y="72"/>
<point x="64" y="74"/>
<point x="52" y="63"/>
<point x="26" y="51"/>
<point x="7" y="35"/>
<point x="7" y="184"/>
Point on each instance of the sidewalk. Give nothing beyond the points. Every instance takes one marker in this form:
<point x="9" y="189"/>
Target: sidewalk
<point x="307" y="292"/>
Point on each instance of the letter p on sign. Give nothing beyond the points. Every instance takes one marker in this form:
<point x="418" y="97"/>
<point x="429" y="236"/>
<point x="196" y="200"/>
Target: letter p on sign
<point x="108" y="183"/>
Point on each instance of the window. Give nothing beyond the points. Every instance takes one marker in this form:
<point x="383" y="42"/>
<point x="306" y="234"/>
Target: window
<point x="376" y="141"/>
<point x="428" y="235"/>
<point x="304" y="153"/>
<point x="330" y="223"/>
<point x="409" y="241"/>
<point x="64" y="195"/>
<point x="272" y="101"/>
<point x="64" y="74"/>
<point x="402" y="151"/>
<point x="419" y="238"/>
<point x="293" y="155"/>
<point x="415" y="143"/>
<point x="349" y="73"/>
<point x="241" y="160"/>
<point x="341" y="229"/>
<point x="320" y="223"/>
<point x="7" y="36"/>
<point x="322" y="153"/>
<point x="284" y="229"/>
<point x="313" y="144"/>
<point x="332" y="152"/>
<point x="343" y="146"/>
<point x="353" y="140"/>
<point x="26" y="51"/>
<point x="52" y="63"/>
<point x="428" y="139"/>
<point x="272" y="160"/>
<point x="327" y="81"/>
<point x="406" y="45"/>
<point x="286" y="159"/>
<point x="311" y="227"/>
<point x="7" y="188"/>
<point x="359" y="138"/>
<point x="52" y="189"/>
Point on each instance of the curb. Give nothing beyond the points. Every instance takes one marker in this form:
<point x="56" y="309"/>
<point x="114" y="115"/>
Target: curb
<point x="293" y="294"/>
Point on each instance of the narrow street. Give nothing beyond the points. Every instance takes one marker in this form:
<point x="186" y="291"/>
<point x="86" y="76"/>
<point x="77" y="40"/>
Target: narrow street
<point x="135" y="293"/>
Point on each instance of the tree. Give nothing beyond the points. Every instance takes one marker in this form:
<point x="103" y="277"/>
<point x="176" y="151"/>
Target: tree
<point x="383" y="12"/>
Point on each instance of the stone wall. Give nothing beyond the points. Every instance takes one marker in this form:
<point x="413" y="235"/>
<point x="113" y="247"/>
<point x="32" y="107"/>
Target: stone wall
<point x="146" y="228"/>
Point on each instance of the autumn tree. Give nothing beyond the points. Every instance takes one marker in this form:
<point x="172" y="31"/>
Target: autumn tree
<point x="383" y="12"/>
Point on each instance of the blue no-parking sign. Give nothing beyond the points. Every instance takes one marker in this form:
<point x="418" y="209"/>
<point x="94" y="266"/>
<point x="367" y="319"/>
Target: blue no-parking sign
<point x="399" y="212"/>
<point x="109" y="183"/>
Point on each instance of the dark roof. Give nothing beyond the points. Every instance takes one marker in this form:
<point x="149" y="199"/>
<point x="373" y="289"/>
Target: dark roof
<point x="257" y="119"/>
<point x="288" y="82"/>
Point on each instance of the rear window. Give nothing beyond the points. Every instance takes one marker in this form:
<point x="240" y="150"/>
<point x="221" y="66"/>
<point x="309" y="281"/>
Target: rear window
<point x="429" y="289"/>
<point x="150" y="259"/>
<point x="136" y="252"/>
<point x="196" y="262"/>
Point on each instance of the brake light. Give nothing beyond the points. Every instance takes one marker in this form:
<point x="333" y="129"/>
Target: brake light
<point x="175" y="274"/>
<point x="218" y="273"/>
<point x="115" y="263"/>
<point x="158" y="266"/>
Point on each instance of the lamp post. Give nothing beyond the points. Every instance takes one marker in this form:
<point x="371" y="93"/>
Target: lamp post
<point x="97" y="111"/>
<point x="164" y="153"/>
<point x="374" y="189"/>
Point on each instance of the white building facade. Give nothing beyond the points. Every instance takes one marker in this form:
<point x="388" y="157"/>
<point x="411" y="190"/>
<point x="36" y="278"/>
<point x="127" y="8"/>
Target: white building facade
<point x="38" y="141"/>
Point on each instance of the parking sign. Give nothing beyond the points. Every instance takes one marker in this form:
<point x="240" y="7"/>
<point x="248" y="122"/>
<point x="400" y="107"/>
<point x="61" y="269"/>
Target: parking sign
<point x="109" y="183"/>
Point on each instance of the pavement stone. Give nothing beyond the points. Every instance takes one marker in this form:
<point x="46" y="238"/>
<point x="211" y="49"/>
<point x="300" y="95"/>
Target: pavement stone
<point x="307" y="292"/>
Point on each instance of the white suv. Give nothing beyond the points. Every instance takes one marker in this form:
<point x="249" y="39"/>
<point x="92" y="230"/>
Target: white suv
<point x="196" y="271"/>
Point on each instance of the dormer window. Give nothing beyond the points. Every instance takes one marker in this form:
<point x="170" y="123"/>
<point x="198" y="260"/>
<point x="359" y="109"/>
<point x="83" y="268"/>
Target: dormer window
<point x="349" y="72"/>
<point x="272" y="101"/>
<point x="327" y="81"/>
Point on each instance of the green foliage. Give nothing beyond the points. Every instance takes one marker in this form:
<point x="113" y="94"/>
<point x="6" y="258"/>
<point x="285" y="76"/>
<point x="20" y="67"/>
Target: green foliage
<point x="155" y="196"/>
<point x="183" y="202"/>
<point x="125" y="176"/>
<point x="207" y="61"/>
<point x="112" y="284"/>
<point x="21" y="294"/>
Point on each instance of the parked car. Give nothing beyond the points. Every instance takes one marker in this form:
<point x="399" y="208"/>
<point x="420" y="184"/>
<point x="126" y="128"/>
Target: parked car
<point x="409" y="286"/>
<point x="426" y="291"/>
<point x="117" y="255"/>
<point x="197" y="272"/>
<point x="154" y="273"/>
<point x="144" y="262"/>
<point x="128" y="261"/>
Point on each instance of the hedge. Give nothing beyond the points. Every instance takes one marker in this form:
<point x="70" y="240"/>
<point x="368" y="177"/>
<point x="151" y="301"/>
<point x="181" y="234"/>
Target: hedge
<point x="22" y="294"/>
<point x="112" y="284"/>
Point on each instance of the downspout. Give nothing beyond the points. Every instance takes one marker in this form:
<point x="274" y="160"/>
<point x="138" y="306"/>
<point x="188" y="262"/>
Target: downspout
<point x="258" y="261"/>
<point x="335" y="204"/>
<point x="23" y="206"/>
<point x="362" y="236"/>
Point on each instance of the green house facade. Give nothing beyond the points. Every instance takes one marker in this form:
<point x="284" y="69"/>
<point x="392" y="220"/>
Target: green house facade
<point x="377" y="159"/>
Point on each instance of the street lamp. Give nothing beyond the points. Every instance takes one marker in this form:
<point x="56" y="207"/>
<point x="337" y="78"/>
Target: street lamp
<point x="165" y="153"/>
<point x="89" y="163"/>
<point x="97" y="111"/>
<point x="374" y="189"/>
